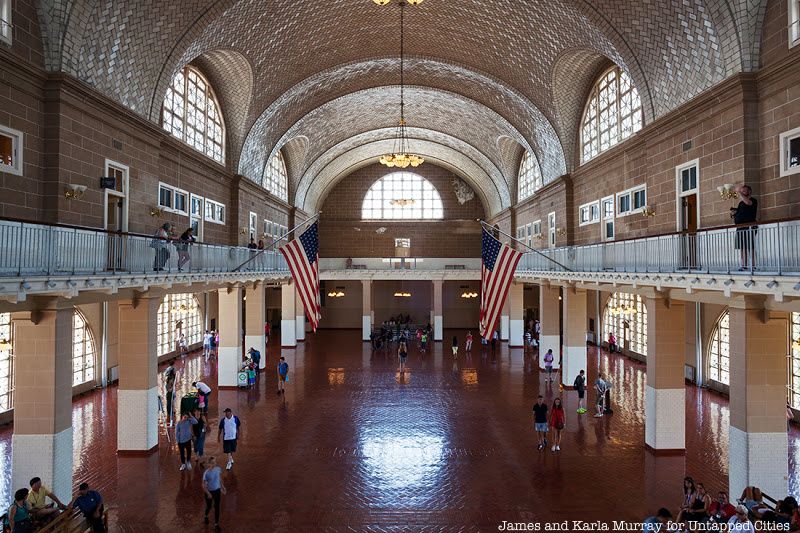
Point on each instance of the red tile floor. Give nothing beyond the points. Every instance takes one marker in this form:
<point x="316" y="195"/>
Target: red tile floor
<point x="448" y="446"/>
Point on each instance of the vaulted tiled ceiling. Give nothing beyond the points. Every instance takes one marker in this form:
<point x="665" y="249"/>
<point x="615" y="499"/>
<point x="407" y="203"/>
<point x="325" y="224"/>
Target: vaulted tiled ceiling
<point x="528" y="63"/>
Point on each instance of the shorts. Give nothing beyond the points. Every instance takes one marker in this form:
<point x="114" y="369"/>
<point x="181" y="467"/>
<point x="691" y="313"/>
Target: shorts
<point x="281" y="377"/>
<point x="580" y="394"/>
<point x="540" y="426"/>
<point x="229" y="446"/>
<point x="600" y="399"/>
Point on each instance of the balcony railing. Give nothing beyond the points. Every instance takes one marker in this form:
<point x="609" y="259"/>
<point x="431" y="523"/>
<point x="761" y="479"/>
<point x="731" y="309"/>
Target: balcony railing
<point x="30" y="249"/>
<point x="775" y="246"/>
<point x="400" y="263"/>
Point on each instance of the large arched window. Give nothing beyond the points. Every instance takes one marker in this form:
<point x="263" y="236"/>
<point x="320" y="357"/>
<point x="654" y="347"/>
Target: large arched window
<point x="530" y="176"/>
<point x="275" y="178"/>
<point x="191" y="113"/>
<point x="626" y="317"/>
<point x="83" y="350"/>
<point x="613" y="113"/>
<point x="178" y="314"/>
<point x="794" y="363"/>
<point x="402" y="195"/>
<point x="6" y="363"/>
<point x="719" y="351"/>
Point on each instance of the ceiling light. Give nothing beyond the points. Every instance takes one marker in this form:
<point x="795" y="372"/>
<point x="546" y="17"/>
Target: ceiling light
<point x="402" y="202"/>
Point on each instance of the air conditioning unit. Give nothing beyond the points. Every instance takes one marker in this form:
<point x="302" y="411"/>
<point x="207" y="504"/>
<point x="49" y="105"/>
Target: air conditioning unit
<point x="113" y="374"/>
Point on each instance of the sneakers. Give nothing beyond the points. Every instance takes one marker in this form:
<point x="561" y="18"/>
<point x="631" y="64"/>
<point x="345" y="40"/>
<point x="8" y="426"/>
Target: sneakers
<point x="553" y="448"/>
<point x="183" y="466"/>
<point x="540" y="446"/>
<point x="558" y="448"/>
<point x="581" y="410"/>
<point x="544" y="443"/>
<point x="229" y="466"/>
<point x="189" y="465"/>
<point x="597" y="415"/>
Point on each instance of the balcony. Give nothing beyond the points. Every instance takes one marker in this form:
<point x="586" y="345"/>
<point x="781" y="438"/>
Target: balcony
<point x="399" y="268"/>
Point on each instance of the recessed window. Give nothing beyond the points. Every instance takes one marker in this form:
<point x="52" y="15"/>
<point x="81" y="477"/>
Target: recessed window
<point x="719" y="356"/>
<point x="403" y="242"/>
<point x="639" y="199"/>
<point x="402" y="196"/>
<point x="83" y="350"/>
<point x="10" y="151"/>
<point x="530" y="176"/>
<point x="253" y="224"/>
<point x="626" y="317"/>
<point x="631" y="201"/>
<point x="197" y="206"/>
<point x="191" y="113"/>
<point x="275" y="177"/>
<point x="688" y="178"/>
<point x="794" y="366"/>
<point x="794" y="22"/>
<point x="790" y="152"/>
<point x="173" y="199"/>
<point x="215" y="212"/>
<point x="623" y="203"/>
<point x="178" y="314"/>
<point x="613" y="113"/>
<point x="6" y="363"/>
<point x="5" y="21"/>
<point x="589" y="213"/>
<point x="551" y="229"/>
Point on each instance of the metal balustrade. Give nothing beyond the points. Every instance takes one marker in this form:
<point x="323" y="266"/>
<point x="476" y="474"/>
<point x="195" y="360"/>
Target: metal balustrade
<point x="29" y="249"/>
<point x="776" y="247"/>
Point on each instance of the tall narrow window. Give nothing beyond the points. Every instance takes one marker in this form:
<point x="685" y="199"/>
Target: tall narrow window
<point x="794" y="23"/>
<point x="719" y="352"/>
<point x="530" y="176"/>
<point x="6" y="363"/>
<point x="83" y="350"/>
<point x="402" y="195"/>
<point x="275" y="177"/>
<point x="178" y="314"/>
<point x="612" y="114"/>
<point x="794" y="363"/>
<point x="10" y="150"/>
<point x="5" y="21"/>
<point x="626" y="317"/>
<point x="191" y="113"/>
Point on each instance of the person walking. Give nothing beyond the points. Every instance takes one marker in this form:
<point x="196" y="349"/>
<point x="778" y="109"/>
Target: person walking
<point x="495" y="337"/>
<point x="266" y="334"/>
<point x="184" y="241"/>
<point x="580" y="386"/>
<point x="540" y="421"/>
<point x="230" y="430"/>
<point x="169" y="392"/>
<point x="548" y="365"/>
<point x="255" y="356"/>
<point x="206" y="345"/>
<point x="402" y="353"/>
<point x="557" y="422"/>
<point x="183" y="435"/>
<point x="199" y="433"/>
<point x="455" y="346"/>
<point x="213" y="488"/>
<point x="612" y="342"/>
<point x="283" y="375"/>
<point x="183" y="346"/>
<point x="423" y="341"/>
<point x="160" y="243"/>
<point x="468" y="347"/>
<point x="600" y="388"/>
<point x="744" y="213"/>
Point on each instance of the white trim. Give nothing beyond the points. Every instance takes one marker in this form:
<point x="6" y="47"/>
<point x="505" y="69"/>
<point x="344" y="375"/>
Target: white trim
<point x="17" y="148"/>
<point x="589" y="206"/>
<point x="252" y="225"/>
<point x="126" y="172"/>
<point x="6" y="22"/>
<point x="630" y="192"/>
<point x="679" y="193"/>
<point x="794" y="23"/>
<point x="213" y="219"/>
<point x="604" y="220"/>
<point x="175" y="191"/>
<point x="551" y="229"/>
<point x="785" y="137"/>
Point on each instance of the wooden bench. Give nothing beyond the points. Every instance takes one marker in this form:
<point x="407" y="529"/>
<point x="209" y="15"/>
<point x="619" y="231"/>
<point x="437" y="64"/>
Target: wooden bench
<point x="71" y="522"/>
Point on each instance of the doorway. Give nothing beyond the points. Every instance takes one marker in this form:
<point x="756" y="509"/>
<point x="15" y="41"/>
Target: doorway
<point x="115" y="217"/>
<point x="688" y="211"/>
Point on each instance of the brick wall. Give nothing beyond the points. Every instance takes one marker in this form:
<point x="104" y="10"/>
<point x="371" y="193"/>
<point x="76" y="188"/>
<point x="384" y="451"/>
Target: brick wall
<point x="457" y="235"/>
<point x="26" y="40"/>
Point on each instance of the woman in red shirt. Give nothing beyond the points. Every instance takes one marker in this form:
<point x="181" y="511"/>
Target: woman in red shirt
<point x="557" y="422"/>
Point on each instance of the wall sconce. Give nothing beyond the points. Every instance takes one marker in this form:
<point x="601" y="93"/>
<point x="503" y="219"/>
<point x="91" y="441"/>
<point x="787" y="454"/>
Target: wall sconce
<point x="727" y="191"/>
<point x="74" y="191"/>
<point x="648" y="211"/>
<point x="538" y="236"/>
<point x="156" y="211"/>
<point x="795" y="344"/>
<point x="5" y="345"/>
<point x="561" y="232"/>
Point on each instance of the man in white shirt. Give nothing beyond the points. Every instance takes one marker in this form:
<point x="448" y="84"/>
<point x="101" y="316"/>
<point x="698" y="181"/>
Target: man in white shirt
<point x="230" y="429"/>
<point x="206" y="344"/>
<point x="739" y="522"/>
<point x="203" y="390"/>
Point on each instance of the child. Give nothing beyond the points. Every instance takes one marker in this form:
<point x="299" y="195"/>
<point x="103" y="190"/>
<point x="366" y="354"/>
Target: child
<point x="423" y="341"/>
<point x="469" y="342"/>
<point x="548" y="365"/>
<point x="455" y="346"/>
<point x="283" y="374"/>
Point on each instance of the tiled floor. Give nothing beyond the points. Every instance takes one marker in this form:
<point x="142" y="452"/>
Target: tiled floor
<point x="447" y="446"/>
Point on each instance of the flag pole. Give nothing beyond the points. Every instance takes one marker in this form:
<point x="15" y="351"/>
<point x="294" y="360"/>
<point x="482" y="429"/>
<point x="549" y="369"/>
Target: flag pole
<point x="271" y="246"/>
<point x="491" y="228"/>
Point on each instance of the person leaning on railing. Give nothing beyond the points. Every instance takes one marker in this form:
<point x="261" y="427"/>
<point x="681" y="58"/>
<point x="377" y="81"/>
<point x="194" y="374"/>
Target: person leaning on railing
<point x="744" y="213"/>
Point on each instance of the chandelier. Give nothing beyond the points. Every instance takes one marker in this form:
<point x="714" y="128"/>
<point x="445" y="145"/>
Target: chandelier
<point x="401" y="156"/>
<point x="402" y="202"/>
<point x="622" y="310"/>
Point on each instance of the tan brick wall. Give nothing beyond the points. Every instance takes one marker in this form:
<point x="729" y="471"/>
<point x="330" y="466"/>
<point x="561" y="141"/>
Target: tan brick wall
<point x="26" y="41"/>
<point x="457" y="235"/>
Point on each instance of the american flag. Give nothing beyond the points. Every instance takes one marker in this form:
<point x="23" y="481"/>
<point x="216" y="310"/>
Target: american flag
<point x="303" y="259"/>
<point x="499" y="262"/>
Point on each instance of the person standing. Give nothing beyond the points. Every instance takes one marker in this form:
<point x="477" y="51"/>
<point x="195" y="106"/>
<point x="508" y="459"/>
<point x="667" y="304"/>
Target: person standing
<point x="184" y="241"/>
<point x="183" y="346"/>
<point x="283" y="374"/>
<point x="540" y="421"/>
<point x="213" y="488"/>
<point x="183" y="435"/>
<point x="230" y="429"/>
<point x="455" y="346"/>
<point x="744" y="213"/>
<point x="255" y="355"/>
<point x="204" y="391"/>
<point x="495" y="337"/>
<point x="169" y="392"/>
<point x="600" y="388"/>
<point x="468" y="347"/>
<point x="402" y="353"/>
<point x="580" y="386"/>
<point x="557" y="422"/>
<point x="612" y="342"/>
<point x="423" y="341"/>
<point x="548" y="365"/>
<point x="199" y="431"/>
<point x="206" y="345"/>
<point x="160" y="243"/>
<point x="266" y="334"/>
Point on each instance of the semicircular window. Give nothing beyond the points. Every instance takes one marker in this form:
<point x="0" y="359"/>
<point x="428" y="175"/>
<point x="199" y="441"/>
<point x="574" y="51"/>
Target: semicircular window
<point x="402" y="196"/>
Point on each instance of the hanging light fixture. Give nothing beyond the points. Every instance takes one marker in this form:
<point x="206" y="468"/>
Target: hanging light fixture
<point x="401" y="156"/>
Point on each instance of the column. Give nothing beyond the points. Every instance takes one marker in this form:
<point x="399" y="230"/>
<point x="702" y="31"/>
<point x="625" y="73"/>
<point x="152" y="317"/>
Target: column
<point x="516" y="308"/>
<point x="255" y="318"/>
<point x="230" y="336"/>
<point x="137" y="396"/>
<point x="575" y="320"/>
<point x="665" y="394"/>
<point x="42" y="439"/>
<point x="288" y="316"/>
<point x="300" y="318"/>
<point x="366" y="306"/>
<point x="437" y="310"/>
<point x="504" y="320"/>
<point x="550" y="320"/>
<point x="759" y="443"/>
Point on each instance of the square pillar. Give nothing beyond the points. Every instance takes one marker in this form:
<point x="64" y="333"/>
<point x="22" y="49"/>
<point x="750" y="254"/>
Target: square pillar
<point x="255" y="318"/>
<point x="437" y="310"/>
<point x="575" y="320"/>
<point x="42" y="439"/>
<point x="665" y="394"/>
<point x="550" y="320"/>
<point x="759" y="443"/>
<point x="300" y="318"/>
<point x="504" y="320"/>
<point x="230" y="336"/>
<point x="288" y="316"/>
<point x="137" y="396"/>
<point x="366" y="313"/>
<point x="516" y="328"/>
